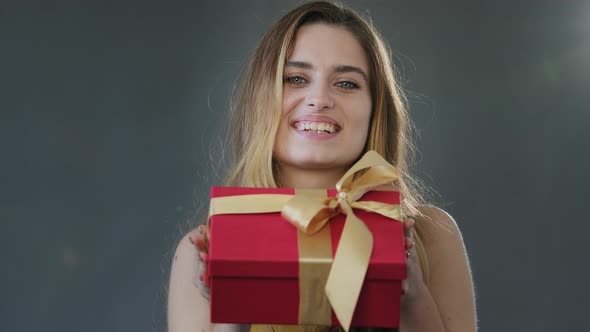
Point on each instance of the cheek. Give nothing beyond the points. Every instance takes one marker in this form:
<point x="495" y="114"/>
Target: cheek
<point x="289" y="101"/>
<point x="362" y="114"/>
<point x="288" y="105"/>
<point x="363" y="120"/>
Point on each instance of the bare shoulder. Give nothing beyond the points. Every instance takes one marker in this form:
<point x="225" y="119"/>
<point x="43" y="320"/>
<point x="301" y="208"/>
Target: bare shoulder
<point x="184" y="264"/>
<point x="187" y="309"/>
<point x="450" y="281"/>
<point x="438" y="226"/>
<point x="185" y="258"/>
<point x="442" y="239"/>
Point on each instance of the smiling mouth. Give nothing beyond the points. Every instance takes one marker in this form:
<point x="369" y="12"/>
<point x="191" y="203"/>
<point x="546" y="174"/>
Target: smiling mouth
<point x="316" y="127"/>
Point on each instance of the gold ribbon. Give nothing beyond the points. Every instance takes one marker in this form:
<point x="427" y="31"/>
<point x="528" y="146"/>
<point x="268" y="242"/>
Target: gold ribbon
<point x="315" y="261"/>
<point x="310" y="215"/>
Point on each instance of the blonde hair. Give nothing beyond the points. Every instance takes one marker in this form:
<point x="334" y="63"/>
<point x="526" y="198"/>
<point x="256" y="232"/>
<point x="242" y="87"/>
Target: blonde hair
<point x="255" y="109"/>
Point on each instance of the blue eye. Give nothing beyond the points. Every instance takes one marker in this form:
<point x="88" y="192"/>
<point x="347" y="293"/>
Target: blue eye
<point x="295" y="80"/>
<point x="348" y="85"/>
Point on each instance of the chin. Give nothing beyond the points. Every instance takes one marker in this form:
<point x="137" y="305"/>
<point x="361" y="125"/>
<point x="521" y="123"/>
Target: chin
<point x="319" y="159"/>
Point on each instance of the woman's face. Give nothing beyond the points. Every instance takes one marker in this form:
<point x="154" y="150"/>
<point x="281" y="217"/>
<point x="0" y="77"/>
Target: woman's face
<point x="326" y="100"/>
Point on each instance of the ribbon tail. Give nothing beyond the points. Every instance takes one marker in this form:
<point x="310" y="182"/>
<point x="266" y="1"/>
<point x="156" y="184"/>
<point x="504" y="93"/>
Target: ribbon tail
<point x="349" y="268"/>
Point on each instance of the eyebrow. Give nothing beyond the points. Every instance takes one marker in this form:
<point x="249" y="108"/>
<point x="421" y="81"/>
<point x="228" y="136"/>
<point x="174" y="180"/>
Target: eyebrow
<point x="338" y="69"/>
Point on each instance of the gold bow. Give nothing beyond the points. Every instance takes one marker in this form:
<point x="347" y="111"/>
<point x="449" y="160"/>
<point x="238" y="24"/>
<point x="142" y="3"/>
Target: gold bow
<point x="351" y="261"/>
<point x="309" y="215"/>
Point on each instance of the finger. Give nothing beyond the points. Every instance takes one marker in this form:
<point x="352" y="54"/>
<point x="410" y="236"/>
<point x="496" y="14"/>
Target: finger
<point x="195" y="278"/>
<point x="202" y="272"/>
<point x="204" y="275"/>
<point x="192" y="238"/>
<point x="204" y="231"/>
<point x="202" y="284"/>
<point x="203" y="257"/>
<point x="201" y="280"/>
<point x="205" y="279"/>
<point x="201" y="244"/>
<point x="197" y="239"/>
<point x="408" y="224"/>
<point x="408" y="243"/>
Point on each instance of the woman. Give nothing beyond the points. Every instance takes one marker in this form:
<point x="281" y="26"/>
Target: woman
<point x="318" y="92"/>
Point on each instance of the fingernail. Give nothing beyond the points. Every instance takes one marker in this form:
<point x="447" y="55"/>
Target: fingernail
<point x="200" y="243"/>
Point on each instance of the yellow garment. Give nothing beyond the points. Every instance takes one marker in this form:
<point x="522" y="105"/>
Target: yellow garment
<point x="288" y="328"/>
<point x="311" y="328"/>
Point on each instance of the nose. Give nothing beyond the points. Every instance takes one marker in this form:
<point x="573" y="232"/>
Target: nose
<point x="319" y="98"/>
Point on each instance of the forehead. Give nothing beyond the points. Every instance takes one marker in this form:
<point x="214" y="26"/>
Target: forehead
<point x="328" y="45"/>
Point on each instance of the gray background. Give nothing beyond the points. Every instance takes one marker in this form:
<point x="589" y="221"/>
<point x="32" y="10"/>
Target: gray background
<point x="111" y="113"/>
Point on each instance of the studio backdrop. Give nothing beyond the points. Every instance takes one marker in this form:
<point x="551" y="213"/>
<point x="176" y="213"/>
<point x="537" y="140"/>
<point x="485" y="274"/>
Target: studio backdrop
<point x="112" y="116"/>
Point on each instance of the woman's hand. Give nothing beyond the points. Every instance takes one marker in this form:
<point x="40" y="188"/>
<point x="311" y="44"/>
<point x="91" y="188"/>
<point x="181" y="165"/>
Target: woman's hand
<point x="410" y="286"/>
<point x="414" y="272"/>
<point x="200" y="239"/>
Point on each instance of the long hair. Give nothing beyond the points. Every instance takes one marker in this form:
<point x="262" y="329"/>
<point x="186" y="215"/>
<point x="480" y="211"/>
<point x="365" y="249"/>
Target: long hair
<point x="255" y="108"/>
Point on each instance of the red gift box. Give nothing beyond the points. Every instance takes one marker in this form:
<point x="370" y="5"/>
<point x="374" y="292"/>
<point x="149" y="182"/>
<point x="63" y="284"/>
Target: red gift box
<point x="254" y="264"/>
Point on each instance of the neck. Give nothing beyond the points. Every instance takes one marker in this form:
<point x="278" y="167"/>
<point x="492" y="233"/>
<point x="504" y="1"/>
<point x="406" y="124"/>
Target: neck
<point x="293" y="177"/>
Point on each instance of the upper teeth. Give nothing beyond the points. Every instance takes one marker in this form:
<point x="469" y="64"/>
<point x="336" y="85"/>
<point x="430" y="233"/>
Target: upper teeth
<point x="316" y="126"/>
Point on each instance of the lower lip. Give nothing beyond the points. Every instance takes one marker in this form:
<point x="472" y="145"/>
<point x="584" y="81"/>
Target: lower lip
<point x="314" y="135"/>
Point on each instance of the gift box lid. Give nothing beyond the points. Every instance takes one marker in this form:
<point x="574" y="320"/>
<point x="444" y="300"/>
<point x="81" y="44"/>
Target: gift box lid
<point x="264" y="245"/>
